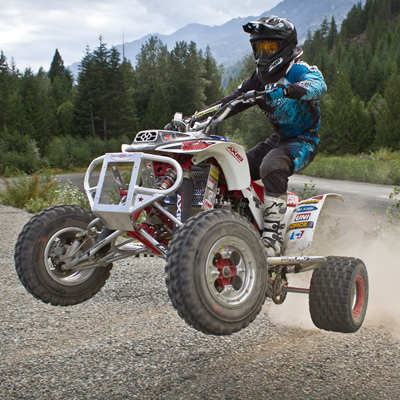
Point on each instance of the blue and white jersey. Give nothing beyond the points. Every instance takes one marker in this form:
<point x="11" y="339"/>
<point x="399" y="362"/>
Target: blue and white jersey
<point x="299" y="112"/>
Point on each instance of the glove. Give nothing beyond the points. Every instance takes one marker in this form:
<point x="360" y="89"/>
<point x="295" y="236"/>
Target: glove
<point x="276" y="91"/>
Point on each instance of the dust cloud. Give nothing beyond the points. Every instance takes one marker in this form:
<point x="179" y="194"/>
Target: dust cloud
<point x="378" y="248"/>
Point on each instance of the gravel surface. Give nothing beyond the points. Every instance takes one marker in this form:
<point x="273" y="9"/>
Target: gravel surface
<point x="129" y="342"/>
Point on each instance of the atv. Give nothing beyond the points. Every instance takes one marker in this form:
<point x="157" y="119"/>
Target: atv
<point x="185" y="195"/>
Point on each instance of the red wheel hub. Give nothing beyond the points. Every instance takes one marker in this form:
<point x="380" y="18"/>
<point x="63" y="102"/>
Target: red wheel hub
<point x="226" y="272"/>
<point x="359" y="301"/>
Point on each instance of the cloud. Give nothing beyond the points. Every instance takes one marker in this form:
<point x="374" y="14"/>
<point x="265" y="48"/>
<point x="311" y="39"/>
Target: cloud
<point x="32" y="30"/>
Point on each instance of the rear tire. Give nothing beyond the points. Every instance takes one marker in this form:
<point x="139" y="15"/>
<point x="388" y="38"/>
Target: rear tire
<point x="47" y="235"/>
<point x="217" y="272"/>
<point x="339" y="295"/>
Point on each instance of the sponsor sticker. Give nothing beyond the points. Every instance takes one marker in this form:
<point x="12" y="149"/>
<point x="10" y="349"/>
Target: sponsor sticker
<point x="301" y="225"/>
<point x="309" y="202"/>
<point x="235" y="153"/>
<point x="190" y="146"/>
<point x="214" y="174"/>
<point x="206" y="111"/>
<point x="207" y="205"/>
<point x="211" y="184"/>
<point x="123" y="156"/>
<point x="292" y="199"/>
<point x="296" y="235"/>
<point x="211" y="196"/>
<point x="302" y="217"/>
<point x="305" y="208"/>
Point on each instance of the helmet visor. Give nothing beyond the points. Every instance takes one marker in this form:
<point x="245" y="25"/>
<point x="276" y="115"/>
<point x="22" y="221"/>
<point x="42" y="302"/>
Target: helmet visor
<point x="270" y="47"/>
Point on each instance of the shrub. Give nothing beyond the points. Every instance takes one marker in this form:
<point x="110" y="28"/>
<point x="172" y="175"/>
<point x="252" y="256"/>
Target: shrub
<point x="18" y="153"/>
<point x="39" y="191"/>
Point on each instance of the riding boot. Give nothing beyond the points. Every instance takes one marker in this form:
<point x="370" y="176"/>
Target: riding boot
<point x="274" y="212"/>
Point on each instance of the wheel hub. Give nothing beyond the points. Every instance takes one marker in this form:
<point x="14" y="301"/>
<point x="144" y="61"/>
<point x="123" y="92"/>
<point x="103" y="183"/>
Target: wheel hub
<point x="230" y="271"/>
<point x="57" y="246"/>
<point x="358" y="296"/>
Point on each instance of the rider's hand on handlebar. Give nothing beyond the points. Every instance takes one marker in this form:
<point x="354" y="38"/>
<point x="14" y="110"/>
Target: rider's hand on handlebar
<point x="276" y="91"/>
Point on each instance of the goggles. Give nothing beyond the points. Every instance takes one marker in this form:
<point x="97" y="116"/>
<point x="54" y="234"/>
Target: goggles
<point x="270" y="47"/>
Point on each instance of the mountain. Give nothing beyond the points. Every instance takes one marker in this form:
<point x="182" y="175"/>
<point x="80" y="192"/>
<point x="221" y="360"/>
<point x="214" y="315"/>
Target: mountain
<point x="228" y="42"/>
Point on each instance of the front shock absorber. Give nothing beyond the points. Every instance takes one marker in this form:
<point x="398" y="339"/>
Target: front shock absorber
<point x="167" y="180"/>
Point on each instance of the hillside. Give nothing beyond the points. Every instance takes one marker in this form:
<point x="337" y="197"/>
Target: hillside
<point x="229" y="44"/>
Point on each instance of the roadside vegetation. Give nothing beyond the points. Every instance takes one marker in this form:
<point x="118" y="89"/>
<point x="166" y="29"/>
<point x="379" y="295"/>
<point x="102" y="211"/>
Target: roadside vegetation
<point x="39" y="191"/>
<point x="382" y="167"/>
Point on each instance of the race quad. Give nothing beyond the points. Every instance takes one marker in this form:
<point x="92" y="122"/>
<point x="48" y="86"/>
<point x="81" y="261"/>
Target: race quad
<point x="186" y="196"/>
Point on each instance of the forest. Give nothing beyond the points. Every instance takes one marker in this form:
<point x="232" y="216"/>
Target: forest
<point x="54" y="120"/>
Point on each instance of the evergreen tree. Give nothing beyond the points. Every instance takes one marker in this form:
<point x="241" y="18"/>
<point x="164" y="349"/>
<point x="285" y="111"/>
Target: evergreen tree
<point x="158" y="112"/>
<point x="325" y="28"/>
<point x="9" y="110"/>
<point x="346" y="125"/>
<point x="152" y="70"/>
<point x="388" y="120"/>
<point x="213" y="78"/>
<point x="104" y="104"/>
<point x="57" y="67"/>
<point x="84" y="116"/>
<point x="332" y="35"/>
<point x="186" y="83"/>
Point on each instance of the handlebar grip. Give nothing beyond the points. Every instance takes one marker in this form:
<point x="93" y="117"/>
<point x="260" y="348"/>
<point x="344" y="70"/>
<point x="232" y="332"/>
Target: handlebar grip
<point x="250" y="95"/>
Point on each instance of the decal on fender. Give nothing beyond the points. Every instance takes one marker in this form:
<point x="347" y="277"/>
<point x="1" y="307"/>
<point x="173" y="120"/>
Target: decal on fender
<point x="309" y="202"/>
<point x="302" y="217"/>
<point x="305" y="208"/>
<point x="301" y="225"/>
<point x="235" y="153"/>
<point x="190" y="146"/>
<point x="296" y="235"/>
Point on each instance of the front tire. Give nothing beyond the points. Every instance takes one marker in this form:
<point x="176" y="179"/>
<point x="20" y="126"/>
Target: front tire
<point x="45" y="238"/>
<point x="217" y="272"/>
<point x="339" y="295"/>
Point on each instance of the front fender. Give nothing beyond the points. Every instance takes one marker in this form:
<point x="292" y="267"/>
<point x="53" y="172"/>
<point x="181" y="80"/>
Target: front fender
<point x="301" y="225"/>
<point x="233" y="161"/>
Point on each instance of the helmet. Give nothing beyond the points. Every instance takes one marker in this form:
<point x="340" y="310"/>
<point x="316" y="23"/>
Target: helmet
<point x="274" y="43"/>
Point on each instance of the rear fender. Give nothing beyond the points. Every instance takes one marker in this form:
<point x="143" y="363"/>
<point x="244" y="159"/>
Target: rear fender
<point x="302" y="223"/>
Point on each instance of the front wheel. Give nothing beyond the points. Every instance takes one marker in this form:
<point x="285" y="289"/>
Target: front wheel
<point x="39" y="252"/>
<point x="339" y="295"/>
<point x="217" y="272"/>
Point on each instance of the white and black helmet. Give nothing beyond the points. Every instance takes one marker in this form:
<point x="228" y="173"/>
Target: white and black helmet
<point x="274" y="43"/>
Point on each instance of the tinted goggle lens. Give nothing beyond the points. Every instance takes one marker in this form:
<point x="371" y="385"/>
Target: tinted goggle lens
<point x="267" y="46"/>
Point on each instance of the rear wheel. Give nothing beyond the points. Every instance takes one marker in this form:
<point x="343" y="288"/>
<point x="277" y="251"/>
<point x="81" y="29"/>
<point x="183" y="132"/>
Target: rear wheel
<point x="339" y="295"/>
<point x="217" y="272"/>
<point x="39" y="252"/>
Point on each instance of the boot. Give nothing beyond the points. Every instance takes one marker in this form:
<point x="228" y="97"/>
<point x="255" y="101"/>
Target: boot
<point x="274" y="212"/>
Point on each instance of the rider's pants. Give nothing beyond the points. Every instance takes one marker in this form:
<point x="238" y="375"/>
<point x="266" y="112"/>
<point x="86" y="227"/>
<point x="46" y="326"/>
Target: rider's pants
<point x="274" y="160"/>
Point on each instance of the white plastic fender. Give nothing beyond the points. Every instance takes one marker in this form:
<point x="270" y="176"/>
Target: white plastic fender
<point x="230" y="156"/>
<point x="301" y="226"/>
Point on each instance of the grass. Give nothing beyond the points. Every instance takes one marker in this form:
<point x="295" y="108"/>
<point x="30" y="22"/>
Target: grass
<point x="382" y="167"/>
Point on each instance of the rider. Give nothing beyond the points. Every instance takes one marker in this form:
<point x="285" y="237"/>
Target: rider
<point x="291" y="105"/>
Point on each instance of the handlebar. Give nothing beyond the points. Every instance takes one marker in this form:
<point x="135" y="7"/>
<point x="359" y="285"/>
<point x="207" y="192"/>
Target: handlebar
<point x="204" y="120"/>
<point x="223" y="110"/>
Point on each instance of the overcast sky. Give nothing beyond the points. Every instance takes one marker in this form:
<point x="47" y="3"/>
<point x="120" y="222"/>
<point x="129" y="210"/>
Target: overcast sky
<point x="31" y="30"/>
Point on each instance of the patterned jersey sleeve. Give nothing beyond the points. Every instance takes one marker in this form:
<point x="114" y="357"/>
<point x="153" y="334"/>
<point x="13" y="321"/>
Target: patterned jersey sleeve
<point x="305" y="82"/>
